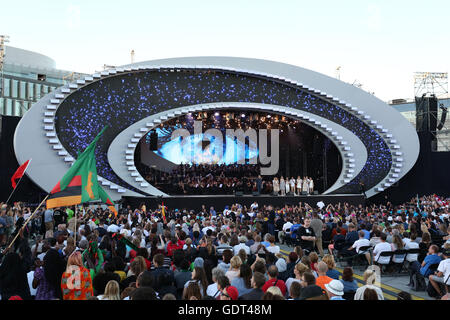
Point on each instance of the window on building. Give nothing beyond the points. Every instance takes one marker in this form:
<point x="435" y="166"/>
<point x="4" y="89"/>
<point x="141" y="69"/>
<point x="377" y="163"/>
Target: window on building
<point x="22" y="90"/>
<point x="15" y="89"/>
<point x="30" y="91"/>
<point x="7" y="87"/>
<point x="9" y="104"/>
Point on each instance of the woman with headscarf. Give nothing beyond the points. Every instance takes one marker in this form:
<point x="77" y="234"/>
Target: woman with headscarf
<point x="13" y="278"/>
<point x="76" y="282"/>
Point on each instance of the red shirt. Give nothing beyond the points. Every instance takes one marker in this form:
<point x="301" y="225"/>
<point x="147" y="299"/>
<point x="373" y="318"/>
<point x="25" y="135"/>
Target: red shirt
<point x="279" y="283"/>
<point x="172" y="247"/>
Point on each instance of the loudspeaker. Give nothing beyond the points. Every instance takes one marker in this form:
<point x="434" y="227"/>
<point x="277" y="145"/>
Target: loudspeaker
<point x="316" y="192"/>
<point x="153" y="141"/>
<point x="239" y="193"/>
<point x="255" y="193"/>
<point x="426" y="113"/>
<point x="443" y="118"/>
<point x="304" y="193"/>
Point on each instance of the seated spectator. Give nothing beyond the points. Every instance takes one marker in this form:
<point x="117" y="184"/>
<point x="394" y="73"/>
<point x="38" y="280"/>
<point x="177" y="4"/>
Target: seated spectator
<point x="144" y="293"/>
<point x="334" y="290"/>
<point x="350" y="284"/>
<point x="213" y="290"/>
<point x="410" y="243"/>
<point x="243" y="281"/>
<point x="322" y="279"/>
<point x="369" y="278"/>
<point x="309" y="287"/>
<point x="383" y="246"/>
<point x="258" y="281"/>
<point x="442" y="275"/>
<point x="198" y="277"/>
<point x="295" y="291"/>
<point x="241" y="245"/>
<point x="226" y="257"/>
<point x="332" y="272"/>
<point x="235" y="265"/>
<point x="112" y="291"/>
<point x="275" y="293"/>
<point x="370" y="294"/>
<point x="274" y="281"/>
<point x="229" y="293"/>
<point x="299" y="270"/>
<point x="272" y="247"/>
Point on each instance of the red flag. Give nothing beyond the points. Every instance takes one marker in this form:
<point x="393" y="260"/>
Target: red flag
<point x="19" y="173"/>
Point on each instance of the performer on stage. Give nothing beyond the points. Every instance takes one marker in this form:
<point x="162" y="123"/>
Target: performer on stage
<point x="299" y="185"/>
<point x="282" y="186"/>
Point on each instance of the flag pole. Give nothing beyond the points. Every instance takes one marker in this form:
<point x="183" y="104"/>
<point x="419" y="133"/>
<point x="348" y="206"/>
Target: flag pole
<point x="18" y="182"/>
<point x="27" y="221"/>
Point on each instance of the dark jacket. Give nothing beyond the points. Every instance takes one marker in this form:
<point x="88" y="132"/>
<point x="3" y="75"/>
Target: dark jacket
<point x="255" y="294"/>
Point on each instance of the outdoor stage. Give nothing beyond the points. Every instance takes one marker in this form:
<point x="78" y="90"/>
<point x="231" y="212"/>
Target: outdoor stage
<point x="219" y="202"/>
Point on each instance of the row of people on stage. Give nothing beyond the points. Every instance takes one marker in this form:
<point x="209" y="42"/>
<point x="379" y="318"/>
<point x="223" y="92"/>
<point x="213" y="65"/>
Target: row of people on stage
<point x="292" y="185"/>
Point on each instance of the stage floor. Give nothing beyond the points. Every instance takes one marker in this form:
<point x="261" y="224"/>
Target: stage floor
<point x="219" y="202"/>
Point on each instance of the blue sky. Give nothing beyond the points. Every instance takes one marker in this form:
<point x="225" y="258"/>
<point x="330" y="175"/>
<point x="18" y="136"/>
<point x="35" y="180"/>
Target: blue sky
<point x="378" y="43"/>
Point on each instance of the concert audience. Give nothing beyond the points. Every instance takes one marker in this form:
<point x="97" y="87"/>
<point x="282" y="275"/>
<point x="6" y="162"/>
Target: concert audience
<point x="193" y="254"/>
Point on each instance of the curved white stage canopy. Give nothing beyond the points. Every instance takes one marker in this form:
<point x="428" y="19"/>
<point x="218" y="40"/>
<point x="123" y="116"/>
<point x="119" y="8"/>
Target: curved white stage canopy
<point x="38" y="136"/>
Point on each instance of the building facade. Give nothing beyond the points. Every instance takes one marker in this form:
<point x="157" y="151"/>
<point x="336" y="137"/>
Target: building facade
<point x="27" y="77"/>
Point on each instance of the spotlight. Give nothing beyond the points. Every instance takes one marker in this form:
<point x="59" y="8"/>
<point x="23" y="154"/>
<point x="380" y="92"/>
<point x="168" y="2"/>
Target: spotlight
<point x="243" y="115"/>
<point x="216" y="114"/>
<point x="269" y="116"/>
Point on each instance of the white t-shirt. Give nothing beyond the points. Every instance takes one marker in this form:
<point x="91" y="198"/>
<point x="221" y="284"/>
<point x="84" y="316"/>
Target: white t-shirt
<point x="274" y="249"/>
<point x="212" y="290"/>
<point x="30" y="276"/>
<point x="287" y="225"/>
<point x="444" y="267"/>
<point x="360" y="243"/>
<point x="240" y="246"/>
<point x="411" y="245"/>
<point x="382" y="247"/>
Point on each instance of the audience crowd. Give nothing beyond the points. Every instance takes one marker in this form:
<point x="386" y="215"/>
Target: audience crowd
<point x="88" y="253"/>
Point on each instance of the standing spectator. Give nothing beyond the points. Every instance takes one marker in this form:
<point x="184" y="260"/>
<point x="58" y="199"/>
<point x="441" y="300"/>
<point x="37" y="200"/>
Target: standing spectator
<point x="317" y="226"/>
<point x="48" y="220"/>
<point x="13" y="278"/>
<point x="47" y="280"/>
<point x="76" y="282"/>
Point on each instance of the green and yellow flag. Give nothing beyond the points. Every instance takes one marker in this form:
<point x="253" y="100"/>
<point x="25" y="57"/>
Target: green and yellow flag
<point x="79" y="184"/>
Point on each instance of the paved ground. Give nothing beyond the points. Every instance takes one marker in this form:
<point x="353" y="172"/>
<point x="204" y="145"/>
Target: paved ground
<point x="391" y="285"/>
